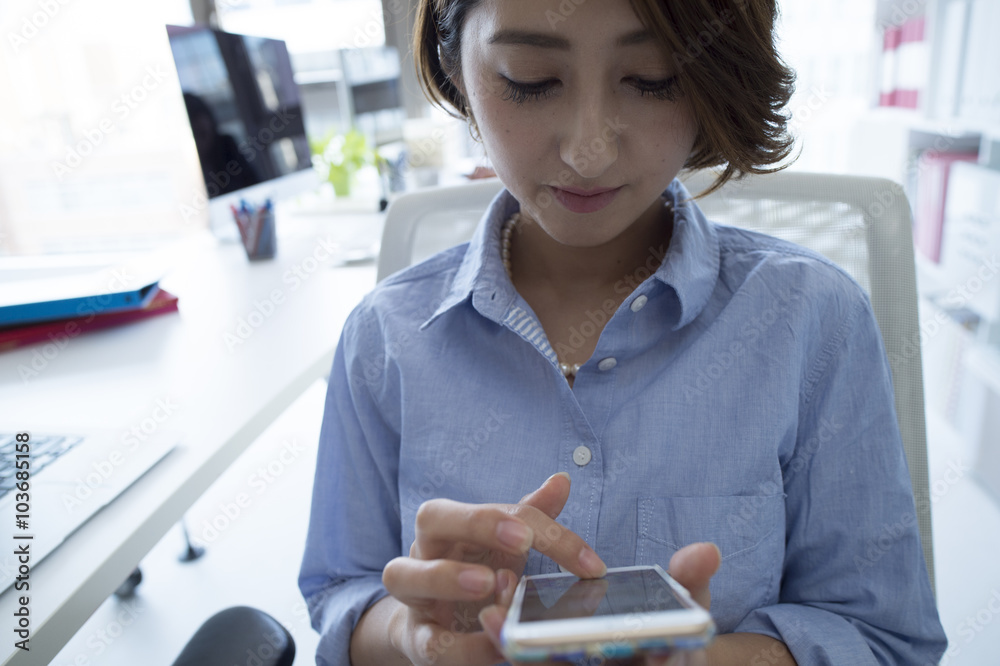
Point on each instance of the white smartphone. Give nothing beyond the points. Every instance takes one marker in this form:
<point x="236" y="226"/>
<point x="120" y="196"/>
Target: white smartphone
<point x="631" y="610"/>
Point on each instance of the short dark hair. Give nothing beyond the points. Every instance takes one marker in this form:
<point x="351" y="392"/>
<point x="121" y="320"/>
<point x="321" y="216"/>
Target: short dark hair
<point x="727" y="66"/>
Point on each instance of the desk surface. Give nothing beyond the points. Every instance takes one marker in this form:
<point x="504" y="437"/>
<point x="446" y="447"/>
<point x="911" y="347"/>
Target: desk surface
<point x="248" y="339"/>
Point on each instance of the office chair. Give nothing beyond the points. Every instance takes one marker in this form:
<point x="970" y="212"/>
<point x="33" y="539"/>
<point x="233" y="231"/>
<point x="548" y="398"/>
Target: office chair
<point x="862" y="224"/>
<point x="239" y="635"/>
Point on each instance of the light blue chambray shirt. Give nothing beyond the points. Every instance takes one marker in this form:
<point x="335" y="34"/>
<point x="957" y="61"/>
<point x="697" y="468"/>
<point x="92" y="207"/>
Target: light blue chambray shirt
<point x="739" y="395"/>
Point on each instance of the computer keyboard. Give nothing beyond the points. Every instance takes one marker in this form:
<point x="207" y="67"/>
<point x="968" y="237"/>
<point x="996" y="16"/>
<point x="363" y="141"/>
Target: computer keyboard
<point x="44" y="450"/>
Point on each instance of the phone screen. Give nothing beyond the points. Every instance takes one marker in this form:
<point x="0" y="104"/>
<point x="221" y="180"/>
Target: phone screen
<point x="618" y="593"/>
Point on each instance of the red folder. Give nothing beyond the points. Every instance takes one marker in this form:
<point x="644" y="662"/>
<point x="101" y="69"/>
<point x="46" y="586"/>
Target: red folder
<point x="932" y="185"/>
<point x="62" y="329"/>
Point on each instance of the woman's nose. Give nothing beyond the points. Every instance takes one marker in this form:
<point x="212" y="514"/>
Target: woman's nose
<point x="590" y="143"/>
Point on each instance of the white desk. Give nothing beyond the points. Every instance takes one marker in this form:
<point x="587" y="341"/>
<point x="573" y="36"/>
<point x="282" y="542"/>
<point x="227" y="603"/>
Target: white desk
<point x="225" y="395"/>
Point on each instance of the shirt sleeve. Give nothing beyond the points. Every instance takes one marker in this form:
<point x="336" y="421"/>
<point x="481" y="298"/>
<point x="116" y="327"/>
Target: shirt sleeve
<point x="855" y="588"/>
<point x="354" y="526"/>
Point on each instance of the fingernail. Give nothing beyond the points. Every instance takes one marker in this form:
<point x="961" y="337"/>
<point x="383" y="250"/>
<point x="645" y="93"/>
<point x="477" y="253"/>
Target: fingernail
<point x="502" y="581"/>
<point x="475" y="580"/>
<point x="592" y="563"/>
<point x="514" y="535"/>
<point x="489" y="618"/>
<point x="566" y="474"/>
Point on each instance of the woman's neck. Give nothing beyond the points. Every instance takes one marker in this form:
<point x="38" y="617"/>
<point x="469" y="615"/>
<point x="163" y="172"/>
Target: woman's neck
<point x="540" y="262"/>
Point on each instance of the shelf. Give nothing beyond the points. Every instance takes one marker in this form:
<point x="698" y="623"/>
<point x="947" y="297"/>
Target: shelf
<point x="313" y="77"/>
<point x="983" y="361"/>
<point x="915" y="120"/>
<point x="931" y="279"/>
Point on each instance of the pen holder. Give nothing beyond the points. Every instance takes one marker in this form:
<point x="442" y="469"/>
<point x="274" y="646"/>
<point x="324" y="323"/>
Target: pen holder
<point x="266" y="239"/>
<point x="257" y="230"/>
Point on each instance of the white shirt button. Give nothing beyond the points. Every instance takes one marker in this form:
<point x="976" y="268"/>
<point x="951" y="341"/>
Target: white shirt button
<point x="581" y="456"/>
<point x="639" y="303"/>
<point x="607" y="364"/>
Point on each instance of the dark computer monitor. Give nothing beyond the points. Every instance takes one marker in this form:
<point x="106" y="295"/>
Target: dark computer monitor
<point x="246" y="117"/>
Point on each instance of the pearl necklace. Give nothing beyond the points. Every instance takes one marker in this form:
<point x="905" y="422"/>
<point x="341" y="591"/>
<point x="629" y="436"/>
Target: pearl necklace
<point x="568" y="369"/>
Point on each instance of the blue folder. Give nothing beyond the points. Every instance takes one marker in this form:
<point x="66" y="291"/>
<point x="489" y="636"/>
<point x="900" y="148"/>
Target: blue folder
<point x="33" y="301"/>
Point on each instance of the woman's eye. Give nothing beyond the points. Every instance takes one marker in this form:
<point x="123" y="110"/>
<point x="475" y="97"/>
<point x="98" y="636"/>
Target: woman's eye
<point x="665" y="89"/>
<point x="519" y="93"/>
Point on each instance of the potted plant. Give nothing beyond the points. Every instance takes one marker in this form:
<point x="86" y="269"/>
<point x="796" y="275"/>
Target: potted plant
<point x="339" y="156"/>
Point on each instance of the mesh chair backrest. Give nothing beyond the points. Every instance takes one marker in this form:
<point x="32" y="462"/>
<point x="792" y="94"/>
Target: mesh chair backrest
<point x="421" y="223"/>
<point x="862" y="224"/>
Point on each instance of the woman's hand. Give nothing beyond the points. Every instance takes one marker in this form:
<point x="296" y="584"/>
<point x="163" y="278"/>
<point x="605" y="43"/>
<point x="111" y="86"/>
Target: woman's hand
<point x="692" y="566"/>
<point x="468" y="556"/>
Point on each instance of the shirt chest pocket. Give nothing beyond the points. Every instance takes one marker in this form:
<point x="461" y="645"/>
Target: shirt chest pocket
<point x="748" y="529"/>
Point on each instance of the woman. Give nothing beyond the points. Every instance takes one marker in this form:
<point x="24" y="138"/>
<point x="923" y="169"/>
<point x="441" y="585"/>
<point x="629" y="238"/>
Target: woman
<point x="717" y="401"/>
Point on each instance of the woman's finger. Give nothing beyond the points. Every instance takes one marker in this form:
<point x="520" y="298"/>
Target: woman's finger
<point x="433" y="644"/>
<point x="441" y="523"/>
<point x="506" y="584"/>
<point x="418" y="582"/>
<point x="491" y="619"/>
<point x="510" y="528"/>
<point x="551" y="496"/>
<point x="693" y="567"/>
<point x="561" y="545"/>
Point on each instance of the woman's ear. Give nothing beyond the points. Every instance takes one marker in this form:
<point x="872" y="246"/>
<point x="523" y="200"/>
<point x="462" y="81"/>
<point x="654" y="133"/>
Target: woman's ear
<point x="466" y="108"/>
<point x="456" y="80"/>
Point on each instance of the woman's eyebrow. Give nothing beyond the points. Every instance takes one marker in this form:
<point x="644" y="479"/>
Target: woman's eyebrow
<point x="512" y="36"/>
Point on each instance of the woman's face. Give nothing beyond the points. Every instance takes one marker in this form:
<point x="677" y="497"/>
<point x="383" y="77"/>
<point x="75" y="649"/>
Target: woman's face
<point x="578" y="110"/>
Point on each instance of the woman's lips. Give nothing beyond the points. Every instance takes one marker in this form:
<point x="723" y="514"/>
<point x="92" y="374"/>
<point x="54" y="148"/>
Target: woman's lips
<point x="585" y="201"/>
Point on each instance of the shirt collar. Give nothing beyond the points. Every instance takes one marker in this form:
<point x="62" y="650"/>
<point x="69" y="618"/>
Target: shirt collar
<point x="690" y="267"/>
